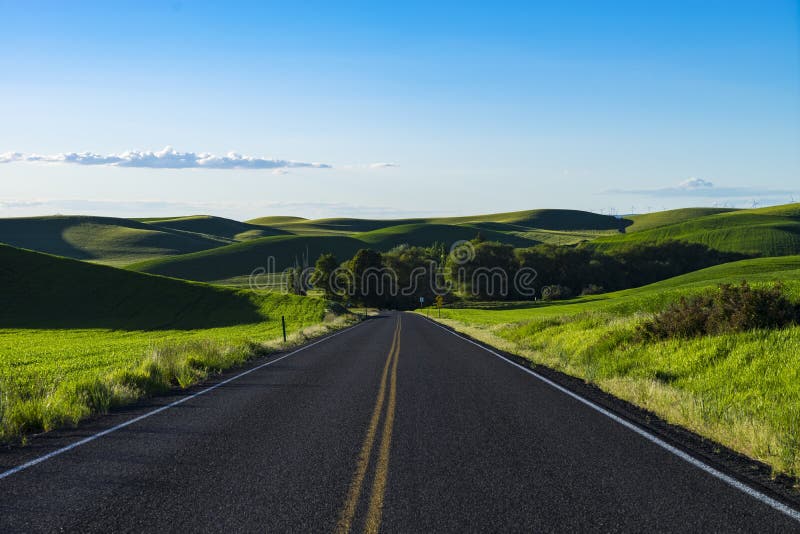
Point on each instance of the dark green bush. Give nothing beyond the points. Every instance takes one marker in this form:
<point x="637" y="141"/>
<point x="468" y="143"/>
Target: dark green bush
<point x="593" y="289"/>
<point x="731" y="308"/>
<point x="556" y="292"/>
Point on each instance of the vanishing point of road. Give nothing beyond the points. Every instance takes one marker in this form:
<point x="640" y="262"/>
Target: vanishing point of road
<point x="394" y="425"/>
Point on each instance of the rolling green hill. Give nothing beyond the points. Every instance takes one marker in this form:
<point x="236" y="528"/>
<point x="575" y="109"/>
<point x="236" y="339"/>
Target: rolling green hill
<point x="44" y="291"/>
<point x="241" y="259"/>
<point x="543" y="219"/>
<point x="343" y="225"/>
<point x="520" y="228"/>
<point x="217" y="227"/>
<point x="422" y="234"/>
<point x="208" y="248"/>
<point x="77" y="338"/>
<point x="773" y="231"/>
<point x="647" y="221"/>
<point x="119" y="242"/>
<point x="275" y="219"/>
<point x="101" y="239"/>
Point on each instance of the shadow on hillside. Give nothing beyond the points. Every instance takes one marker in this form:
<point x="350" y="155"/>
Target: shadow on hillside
<point x="129" y="312"/>
<point x="41" y="291"/>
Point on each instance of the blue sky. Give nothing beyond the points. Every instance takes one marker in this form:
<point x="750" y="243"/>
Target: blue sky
<point x="402" y="108"/>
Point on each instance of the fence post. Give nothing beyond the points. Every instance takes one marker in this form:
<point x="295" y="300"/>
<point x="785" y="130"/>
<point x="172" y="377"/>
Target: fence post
<point x="283" y="325"/>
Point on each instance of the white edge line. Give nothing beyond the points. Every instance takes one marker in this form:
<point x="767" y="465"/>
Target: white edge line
<point x="120" y="426"/>
<point x="766" y="499"/>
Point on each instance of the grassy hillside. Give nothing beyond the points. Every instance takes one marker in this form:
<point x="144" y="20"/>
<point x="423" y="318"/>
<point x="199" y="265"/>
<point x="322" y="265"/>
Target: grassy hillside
<point x="344" y="225"/>
<point x="43" y="291"/>
<point x="773" y="231"/>
<point x="217" y="227"/>
<point x="647" y="221"/>
<point x="77" y="338"/>
<point x="740" y="389"/>
<point x="544" y="219"/>
<point x="429" y="233"/>
<point x="210" y="248"/>
<point x="242" y="258"/>
<point x="344" y="236"/>
<point x="101" y="239"/>
<point x="274" y="219"/>
<point x="116" y="241"/>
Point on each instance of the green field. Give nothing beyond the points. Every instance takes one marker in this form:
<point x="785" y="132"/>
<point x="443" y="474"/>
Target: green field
<point x="646" y="221"/>
<point x="77" y="338"/>
<point x="101" y="239"/>
<point x="242" y="258"/>
<point x="742" y="389"/>
<point x="184" y="247"/>
<point x="175" y="245"/>
<point x="773" y="231"/>
<point x="216" y="227"/>
<point x="308" y="239"/>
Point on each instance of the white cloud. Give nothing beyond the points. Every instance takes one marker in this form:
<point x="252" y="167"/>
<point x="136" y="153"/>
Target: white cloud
<point x="371" y="166"/>
<point x="382" y="165"/>
<point x="695" y="183"/>
<point x="8" y="157"/>
<point x="168" y="158"/>
<point x="700" y="188"/>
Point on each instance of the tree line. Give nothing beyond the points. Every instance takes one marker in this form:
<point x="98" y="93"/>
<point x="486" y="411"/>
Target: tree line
<point x="400" y="277"/>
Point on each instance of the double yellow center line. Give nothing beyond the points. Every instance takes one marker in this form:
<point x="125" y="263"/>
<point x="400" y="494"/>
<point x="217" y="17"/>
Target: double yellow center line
<point x="373" y="520"/>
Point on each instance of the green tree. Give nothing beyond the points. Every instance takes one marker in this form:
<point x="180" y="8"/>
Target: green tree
<point x="321" y="278"/>
<point x="293" y="279"/>
<point x="370" y="284"/>
<point x="488" y="274"/>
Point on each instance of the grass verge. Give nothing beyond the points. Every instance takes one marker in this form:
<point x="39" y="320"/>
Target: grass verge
<point x="56" y="378"/>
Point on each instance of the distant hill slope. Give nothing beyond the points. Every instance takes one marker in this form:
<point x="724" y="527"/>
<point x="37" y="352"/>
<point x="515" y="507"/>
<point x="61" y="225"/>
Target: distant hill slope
<point x="646" y="221"/>
<point x="543" y="219"/>
<point x="422" y="234"/>
<point x="217" y="227"/>
<point x="102" y="239"/>
<point x="117" y="241"/>
<point x="242" y="258"/>
<point x="44" y="291"/>
<point x="773" y="231"/>
<point x="275" y="219"/>
<point x="344" y="236"/>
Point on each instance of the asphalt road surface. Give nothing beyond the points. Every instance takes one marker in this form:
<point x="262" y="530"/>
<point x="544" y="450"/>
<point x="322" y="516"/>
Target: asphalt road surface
<point x="394" y="425"/>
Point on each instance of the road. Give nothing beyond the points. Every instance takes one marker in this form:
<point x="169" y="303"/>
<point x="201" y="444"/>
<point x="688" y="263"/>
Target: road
<point x="395" y="425"/>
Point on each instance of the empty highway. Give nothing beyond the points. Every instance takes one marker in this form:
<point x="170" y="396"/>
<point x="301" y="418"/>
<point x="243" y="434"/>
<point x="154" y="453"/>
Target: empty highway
<point x="394" y="425"/>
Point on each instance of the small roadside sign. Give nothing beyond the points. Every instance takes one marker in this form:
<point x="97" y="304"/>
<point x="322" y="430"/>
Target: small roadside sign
<point x="421" y="300"/>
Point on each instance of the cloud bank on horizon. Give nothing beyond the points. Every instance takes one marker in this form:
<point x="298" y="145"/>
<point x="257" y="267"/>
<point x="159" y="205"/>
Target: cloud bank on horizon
<point x="168" y="158"/>
<point x="698" y="187"/>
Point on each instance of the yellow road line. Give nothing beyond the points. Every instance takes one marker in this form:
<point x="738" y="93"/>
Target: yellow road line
<point x="348" y="511"/>
<point x="375" y="511"/>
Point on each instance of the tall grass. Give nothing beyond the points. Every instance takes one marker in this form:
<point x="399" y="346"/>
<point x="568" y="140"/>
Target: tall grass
<point x="55" y="378"/>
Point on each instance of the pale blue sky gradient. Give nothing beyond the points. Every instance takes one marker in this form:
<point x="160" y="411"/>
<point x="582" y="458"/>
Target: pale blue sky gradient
<point x="484" y="107"/>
